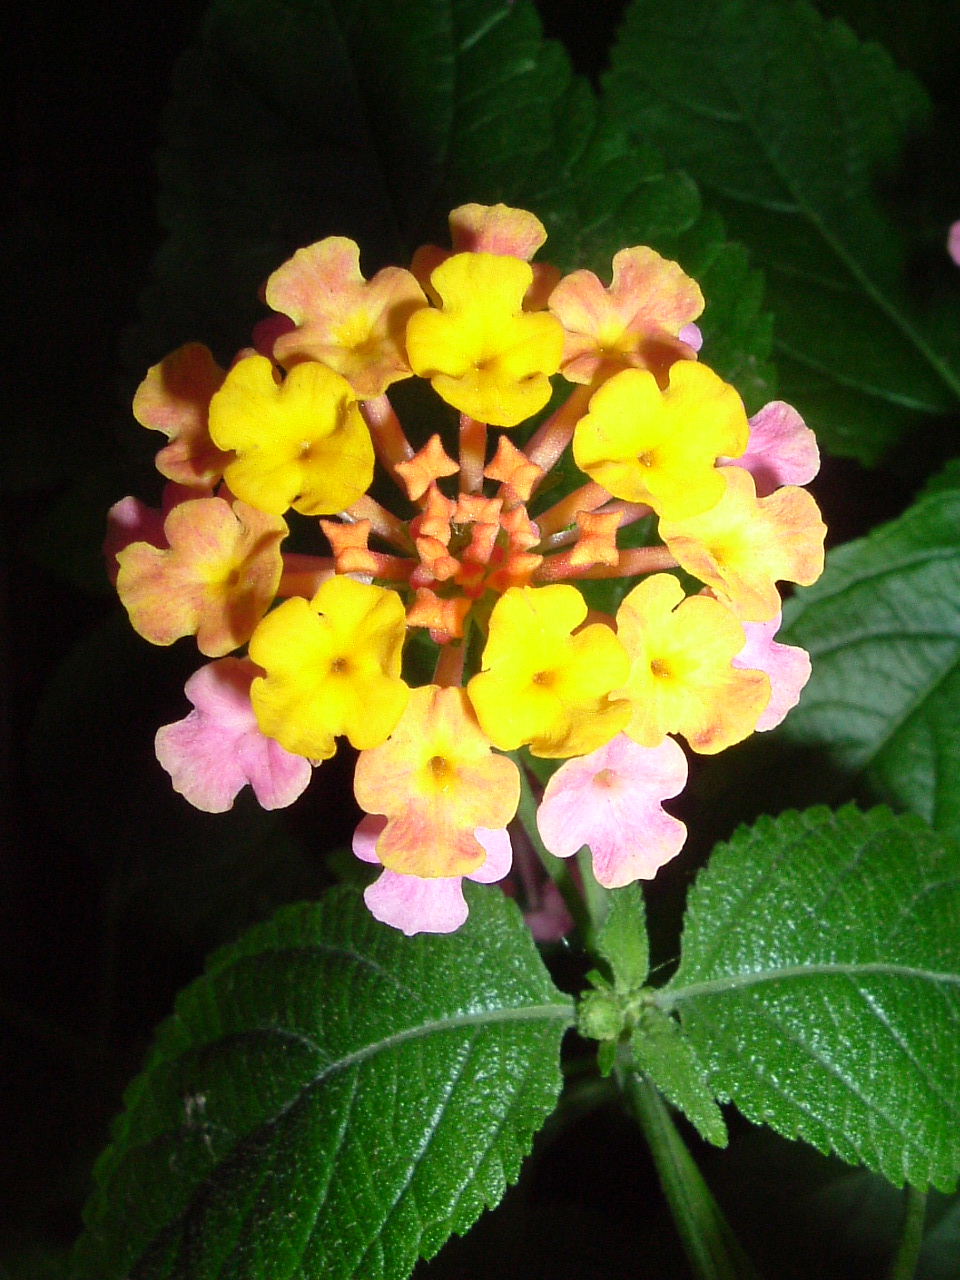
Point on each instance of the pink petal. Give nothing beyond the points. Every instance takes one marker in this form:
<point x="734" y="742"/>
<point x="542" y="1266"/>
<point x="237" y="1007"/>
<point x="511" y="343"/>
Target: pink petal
<point x="415" y="905"/>
<point x="787" y="666"/>
<point x="366" y="836"/>
<point x="782" y="449"/>
<point x="691" y="335"/>
<point x="499" y="855"/>
<point x="953" y="243"/>
<point x="218" y="748"/>
<point x="610" y="801"/>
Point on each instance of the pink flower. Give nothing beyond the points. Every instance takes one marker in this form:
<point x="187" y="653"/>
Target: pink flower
<point x="787" y="666"/>
<point x="953" y="243"/>
<point x="416" y="904"/>
<point x="782" y="449"/>
<point x="218" y="748"/>
<point x="610" y="801"/>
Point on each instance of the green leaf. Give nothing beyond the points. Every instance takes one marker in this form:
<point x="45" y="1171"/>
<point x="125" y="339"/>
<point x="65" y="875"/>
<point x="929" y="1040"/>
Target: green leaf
<point x="820" y="986"/>
<point x="785" y="121"/>
<point x="331" y="1099"/>
<point x="663" y="1052"/>
<point x="622" y="940"/>
<point x="883" y="630"/>
<point x="296" y="119"/>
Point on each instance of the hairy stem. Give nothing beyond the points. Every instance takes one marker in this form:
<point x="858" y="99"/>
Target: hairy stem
<point x="710" y="1244"/>
<point x="904" y="1266"/>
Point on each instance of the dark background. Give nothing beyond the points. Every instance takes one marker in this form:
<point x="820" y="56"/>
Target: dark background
<point x="87" y="970"/>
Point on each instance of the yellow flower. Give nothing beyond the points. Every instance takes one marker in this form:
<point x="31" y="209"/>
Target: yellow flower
<point x="482" y="352"/>
<point x="661" y="447"/>
<point x="355" y="326"/>
<point x="544" y="686"/>
<point x="300" y="443"/>
<point x="214" y="579"/>
<point x="682" y="680"/>
<point x="436" y="779"/>
<point x="332" y="667"/>
<point x="744" y="545"/>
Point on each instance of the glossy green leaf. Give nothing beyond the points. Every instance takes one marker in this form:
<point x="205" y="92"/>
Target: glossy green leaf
<point x="785" y="121"/>
<point x="661" y="1050"/>
<point x="331" y="1099"/>
<point x="820" y="985"/>
<point x="882" y="709"/>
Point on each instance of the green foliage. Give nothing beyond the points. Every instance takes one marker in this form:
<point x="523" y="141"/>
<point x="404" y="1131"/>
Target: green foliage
<point x="882" y="626"/>
<point x="786" y="121"/>
<point x="659" y="1048"/>
<point x="820" y="986"/>
<point x="330" y="1099"/>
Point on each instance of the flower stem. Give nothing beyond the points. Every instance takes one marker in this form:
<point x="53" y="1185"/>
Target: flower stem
<point x="473" y="453"/>
<point x="904" y="1266"/>
<point x="710" y="1244"/>
<point x="556" y="868"/>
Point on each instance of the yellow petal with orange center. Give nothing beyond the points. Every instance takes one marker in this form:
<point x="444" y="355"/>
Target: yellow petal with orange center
<point x="661" y="447"/>
<point x="682" y="679"/>
<point x="353" y="325"/>
<point x="215" y="579"/>
<point x="332" y="667"/>
<point x="744" y="545"/>
<point x="541" y="684"/>
<point x="436" y="779"/>
<point x="482" y="352"/>
<point x="302" y="443"/>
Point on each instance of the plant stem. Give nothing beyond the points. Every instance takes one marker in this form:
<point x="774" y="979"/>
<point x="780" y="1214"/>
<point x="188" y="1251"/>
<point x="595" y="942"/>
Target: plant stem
<point x="555" y="868"/>
<point x="904" y="1265"/>
<point x="710" y="1244"/>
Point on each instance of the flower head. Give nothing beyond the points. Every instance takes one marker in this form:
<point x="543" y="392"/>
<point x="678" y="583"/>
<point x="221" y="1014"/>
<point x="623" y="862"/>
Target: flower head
<point x="332" y="666"/>
<point x="347" y="323"/>
<point x="661" y="447"/>
<point x="299" y="443"/>
<point x="610" y="801"/>
<point x="436" y="779"/>
<point x="481" y="351"/>
<point x="218" y="748"/>
<point x="544" y="683"/>
<point x="635" y="323"/>
<point x="214" y="579"/>
<point x="436" y="635"/>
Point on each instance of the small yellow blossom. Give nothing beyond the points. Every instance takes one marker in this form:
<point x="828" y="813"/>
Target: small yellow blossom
<point x="744" y="545"/>
<point x="682" y="679"/>
<point x="661" y="447"/>
<point x="482" y="352"/>
<point x="300" y="443"/>
<point x="636" y="322"/>
<point x="544" y="683"/>
<point x="332" y="667"/>
<point x="353" y="325"/>
<point x="214" y="579"/>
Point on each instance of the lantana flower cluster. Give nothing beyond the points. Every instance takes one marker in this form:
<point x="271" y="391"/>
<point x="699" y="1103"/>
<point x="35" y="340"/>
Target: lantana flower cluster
<point x="478" y="559"/>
